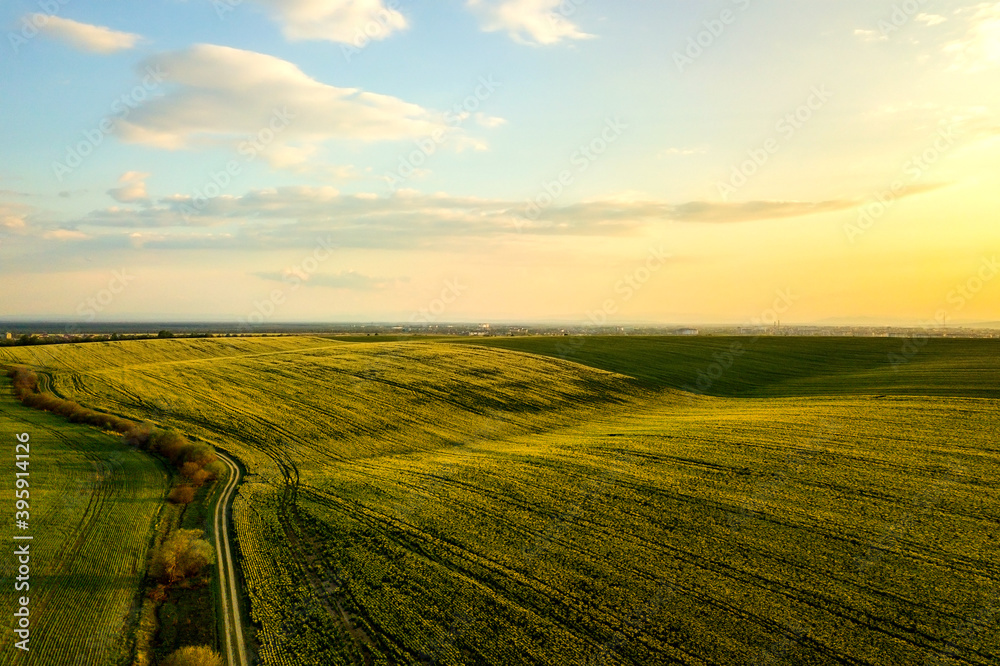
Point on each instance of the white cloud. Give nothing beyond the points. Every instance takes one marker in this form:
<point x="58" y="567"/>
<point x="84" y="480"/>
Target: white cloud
<point x="527" y="21"/>
<point x="263" y="106"/>
<point x="979" y="48"/>
<point x="344" y="21"/>
<point x="489" y="122"/>
<point x="132" y="188"/>
<point x="285" y="156"/>
<point x="83" y="36"/>
<point x="930" y="19"/>
<point x="871" y="35"/>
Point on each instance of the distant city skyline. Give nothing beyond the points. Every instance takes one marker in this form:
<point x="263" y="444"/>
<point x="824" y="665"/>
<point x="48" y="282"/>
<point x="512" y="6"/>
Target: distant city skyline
<point x="725" y="162"/>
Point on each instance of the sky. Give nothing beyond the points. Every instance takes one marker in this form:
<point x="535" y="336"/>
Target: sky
<point x="587" y="161"/>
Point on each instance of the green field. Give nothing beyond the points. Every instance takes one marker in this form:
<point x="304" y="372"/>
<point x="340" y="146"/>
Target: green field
<point x="782" y="367"/>
<point x="512" y="501"/>
<point x="93" y="505"/>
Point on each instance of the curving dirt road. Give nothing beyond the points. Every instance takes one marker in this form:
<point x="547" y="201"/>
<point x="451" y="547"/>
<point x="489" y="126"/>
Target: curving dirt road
<point x="236" y="653"/>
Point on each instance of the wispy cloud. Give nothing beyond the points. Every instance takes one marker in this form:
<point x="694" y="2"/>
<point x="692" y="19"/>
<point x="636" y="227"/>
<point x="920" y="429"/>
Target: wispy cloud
<point x="527" y="21"/>
<point x="294" y="216"/>
<point x="346" y="280"/>
<point x="979" y="47"/>
<point x="64" y="235"/>
<point x="930" y="19"/>
<point x="970" y="123"/>
<point x="85" y="37"/>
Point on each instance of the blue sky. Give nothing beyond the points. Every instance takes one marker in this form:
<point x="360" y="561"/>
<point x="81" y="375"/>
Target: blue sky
<point x="431" y="153"/>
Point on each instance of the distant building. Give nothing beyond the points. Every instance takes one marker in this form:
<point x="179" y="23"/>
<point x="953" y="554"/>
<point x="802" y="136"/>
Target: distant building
<point x="687" y="331"/>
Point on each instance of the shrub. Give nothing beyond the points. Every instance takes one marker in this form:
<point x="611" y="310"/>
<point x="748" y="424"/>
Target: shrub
<point x="193" y="656"/>
<point x="119" y="424"/>
<point x="170" y="445"/>
<point x="182" y="555"/>
<point x="138" y="435"/>
<point x="195" y="473"/>
<point x="199" y="478"/>
<point x="182" y="494"/>
<point x="215" y="469"/>
<point x="200" y="454"/>
<point x="188" y="469"/>
<point x="74" y="412"/>
<point x="25" y="381"/>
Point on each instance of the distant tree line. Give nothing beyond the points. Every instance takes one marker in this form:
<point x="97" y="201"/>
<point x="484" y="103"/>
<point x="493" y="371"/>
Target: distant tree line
<point x="29" y="339"/>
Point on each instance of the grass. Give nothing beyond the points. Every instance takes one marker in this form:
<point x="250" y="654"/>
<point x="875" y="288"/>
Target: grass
<point x="94" y="502"/>
<point x="779" y="366"/>
<point x="422" y="502"/>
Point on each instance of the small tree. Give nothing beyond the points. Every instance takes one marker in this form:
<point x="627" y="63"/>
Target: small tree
<point x="215" y="469"/>
<point x="189" y="469"/>
<point x="193" y="656"/>
<point x="164" y="334"/>
<point x="182" y="494"/>
<point x="182" y="555"/>
<point x="199" y="478"/>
